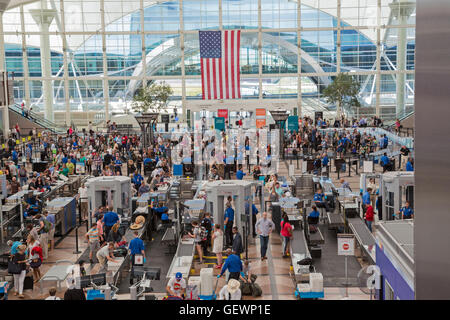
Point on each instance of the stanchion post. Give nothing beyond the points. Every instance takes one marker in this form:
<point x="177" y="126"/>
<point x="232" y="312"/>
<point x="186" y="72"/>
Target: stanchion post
<point x="77" y="251"/>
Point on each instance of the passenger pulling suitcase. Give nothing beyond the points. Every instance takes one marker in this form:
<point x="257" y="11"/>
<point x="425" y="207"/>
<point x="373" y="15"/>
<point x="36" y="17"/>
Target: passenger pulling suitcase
<point x="28" y="283"/>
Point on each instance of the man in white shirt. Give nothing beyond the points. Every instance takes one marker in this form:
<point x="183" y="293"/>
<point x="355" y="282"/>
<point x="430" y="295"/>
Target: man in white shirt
<point x="82" y="196"/>
<point x="176" y="285"/>
<point x="52" y="294"/>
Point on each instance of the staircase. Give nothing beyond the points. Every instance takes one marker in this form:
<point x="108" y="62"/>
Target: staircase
<point x="407" y="122"/>
<point x="33" y="121"/>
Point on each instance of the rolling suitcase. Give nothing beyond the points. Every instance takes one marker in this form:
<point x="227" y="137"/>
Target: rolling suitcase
<point x="28" y="283"/>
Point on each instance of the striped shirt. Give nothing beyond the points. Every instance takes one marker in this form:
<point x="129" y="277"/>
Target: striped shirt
<point x="93" y="235"/>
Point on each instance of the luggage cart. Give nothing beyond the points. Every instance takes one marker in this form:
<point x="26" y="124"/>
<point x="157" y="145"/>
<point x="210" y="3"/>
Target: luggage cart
<point x="303" y="289"/>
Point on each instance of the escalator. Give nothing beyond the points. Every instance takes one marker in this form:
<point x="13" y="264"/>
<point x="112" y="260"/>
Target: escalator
<point x="32" y="120"/>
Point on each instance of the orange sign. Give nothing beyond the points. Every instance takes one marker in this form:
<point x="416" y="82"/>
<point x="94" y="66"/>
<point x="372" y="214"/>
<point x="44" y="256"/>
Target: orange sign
<point x="260" y="123"/>
<point x="260" y="112"/>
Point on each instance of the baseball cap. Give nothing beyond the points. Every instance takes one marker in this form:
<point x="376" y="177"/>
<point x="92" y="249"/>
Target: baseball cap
<point x="178" y="275"/>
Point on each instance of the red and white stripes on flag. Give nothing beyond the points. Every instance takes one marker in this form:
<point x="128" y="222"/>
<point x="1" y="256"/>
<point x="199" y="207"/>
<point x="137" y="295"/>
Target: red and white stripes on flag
<point x="220" y="67"/>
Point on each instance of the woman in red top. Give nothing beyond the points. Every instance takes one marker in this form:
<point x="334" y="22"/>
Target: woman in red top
<point x="369" y="217"/>
<point x="36" y="261"/>
<point x="286" y="233"/>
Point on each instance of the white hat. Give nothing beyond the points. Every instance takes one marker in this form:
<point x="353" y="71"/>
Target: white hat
<point x="233" y="285"/>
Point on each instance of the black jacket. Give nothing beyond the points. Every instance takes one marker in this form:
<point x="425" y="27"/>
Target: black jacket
<point x="237" y="244"/>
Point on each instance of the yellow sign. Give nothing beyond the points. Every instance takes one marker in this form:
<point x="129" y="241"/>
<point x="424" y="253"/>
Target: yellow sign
<point x="17" y="142"/>
<point x="29" y="138"/>
<point x="39" y="134"/>
<point x="23" y="139"/>
<point x="3" y="146"/>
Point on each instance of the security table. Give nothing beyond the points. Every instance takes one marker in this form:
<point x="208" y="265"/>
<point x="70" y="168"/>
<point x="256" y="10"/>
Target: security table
<point x="58" y="273"/>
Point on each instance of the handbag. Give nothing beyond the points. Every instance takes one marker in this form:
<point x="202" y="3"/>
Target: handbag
<point x="14" y="268"/>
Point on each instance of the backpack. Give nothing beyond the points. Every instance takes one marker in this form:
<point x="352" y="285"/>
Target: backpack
<point x="203" y="233"/>
<point x="22" y="172"/>
<point x="47" y="226"/>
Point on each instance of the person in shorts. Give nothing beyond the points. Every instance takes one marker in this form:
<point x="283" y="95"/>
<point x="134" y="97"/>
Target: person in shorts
<point x="93" y="236"/>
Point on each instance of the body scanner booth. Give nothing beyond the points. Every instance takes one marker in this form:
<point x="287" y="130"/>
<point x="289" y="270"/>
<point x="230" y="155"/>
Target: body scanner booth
<point x="110" y="190"/>
<point x="217" y="193"/>
<point x="396" y="187"/>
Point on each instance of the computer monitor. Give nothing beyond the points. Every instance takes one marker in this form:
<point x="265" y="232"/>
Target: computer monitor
<point x="84" y="281"/>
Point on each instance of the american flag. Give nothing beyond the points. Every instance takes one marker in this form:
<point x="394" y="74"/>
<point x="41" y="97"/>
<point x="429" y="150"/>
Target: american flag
<point x="219" y="58"/>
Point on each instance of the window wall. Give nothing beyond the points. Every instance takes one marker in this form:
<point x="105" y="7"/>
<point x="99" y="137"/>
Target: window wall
<point x="289" y="50"/>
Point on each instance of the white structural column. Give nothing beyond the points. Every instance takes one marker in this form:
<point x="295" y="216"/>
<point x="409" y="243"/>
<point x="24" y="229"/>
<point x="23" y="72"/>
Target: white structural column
<point x="378" y="62"/>
<point x="260" y="51"/>
<point x="43" y="18"/>
<point x="299" y="59"/>
<point x="402" y="10"/>
<point x="144" y="52"/>
<point x="3" y="5"/>
<point x="26" y="74"/>
<point x="105" y="62"/>
<point x="65" y="64"/>
<point x="338" y="52"/>
<point x="183" y="70"/>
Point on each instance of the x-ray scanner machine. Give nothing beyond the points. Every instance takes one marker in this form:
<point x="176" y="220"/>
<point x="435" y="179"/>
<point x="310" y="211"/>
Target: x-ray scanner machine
<point x="217" y="193"/>
<point x="110" y="190"/>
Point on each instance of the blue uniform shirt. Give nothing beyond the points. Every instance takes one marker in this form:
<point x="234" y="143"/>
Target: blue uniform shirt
<point x="407" y="212"/>
<point x="136" y="246"/>
<point x="161" y="209"/>
<point x="147" y="160"/>
<point x="314" y="214"/>
<point x="409" y="166"/>
<point x="366" y="198"/>
<point x="384" y="160"/>
<point x="325" y="161"/>
<point x="233" y="263"/>
<point x="110" y="218"/>
<point x="137" y="179"/>
<point x="240" y="174"/>
<point x="229" y="213"/>
<point x="318" y="197"/>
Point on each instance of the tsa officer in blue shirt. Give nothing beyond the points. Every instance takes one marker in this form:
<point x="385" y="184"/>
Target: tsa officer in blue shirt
<point x="118" y="165"/>
<point x="137" y="180"/>
<point x="136" y="246"/>
<point x="319" y="199"/>
<point x="313" y="217"/>
<point x="407" y="212"/>
<point x="366" y="198"/>
<point x="228" y="223"/>
<point x="385" y="162"/>
<point x="254" y="213"/>
<point x="410" y="165"/>
<point x="240" y="174"/>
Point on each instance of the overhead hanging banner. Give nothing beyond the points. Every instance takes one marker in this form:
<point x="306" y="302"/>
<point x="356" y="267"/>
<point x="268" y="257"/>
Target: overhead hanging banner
<point x="260" y="114"/>
<point x="293" y="123"/>
<point x="219" y="123"/>
<point x="222" y="113"/>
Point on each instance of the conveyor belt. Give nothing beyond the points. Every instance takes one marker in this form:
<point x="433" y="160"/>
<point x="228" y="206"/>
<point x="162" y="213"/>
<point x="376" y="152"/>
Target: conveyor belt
<point x="169" y="235"/>
<point x="316" y="238"/>
<point x="335" y="220"/>
<point x="184" y="249"/>
<point x="298" y="244"/>
<point x="362" y="233"/>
